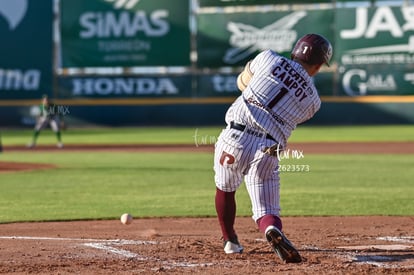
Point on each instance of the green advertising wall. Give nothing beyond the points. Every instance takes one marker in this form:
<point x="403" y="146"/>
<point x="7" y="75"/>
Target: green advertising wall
<point x="234" y="38"/>
<point x="131" y="87"/>
<point x="221" y="3"/>
<point x="100" y="33"/>
<point x="26" y="59"/>
<point x="171" y="63"/>
<point x="375" y="50"/>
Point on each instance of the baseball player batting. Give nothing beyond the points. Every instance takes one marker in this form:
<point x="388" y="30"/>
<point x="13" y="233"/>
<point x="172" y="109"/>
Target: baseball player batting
<point x="277" y="94"/>
<point x="49" y="115"/>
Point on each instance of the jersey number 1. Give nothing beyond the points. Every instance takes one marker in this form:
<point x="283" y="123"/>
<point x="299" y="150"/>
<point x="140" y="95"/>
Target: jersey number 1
<point x="278" y="97"/>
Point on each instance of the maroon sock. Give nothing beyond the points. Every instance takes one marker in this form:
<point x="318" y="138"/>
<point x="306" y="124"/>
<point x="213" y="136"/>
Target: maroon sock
<point x="267" y="220"/>
<point x="226" y="213"/>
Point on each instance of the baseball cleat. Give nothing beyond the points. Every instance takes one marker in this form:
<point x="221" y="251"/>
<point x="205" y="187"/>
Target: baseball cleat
<point x="282" y="246"/>
<point x="232" y="246"/>
<point x="59" y="145"/>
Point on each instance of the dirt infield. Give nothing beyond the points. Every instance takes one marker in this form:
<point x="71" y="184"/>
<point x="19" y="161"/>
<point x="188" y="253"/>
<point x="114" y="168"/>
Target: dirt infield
<point x="329" y="245"/>
<point x="9" y="167"/>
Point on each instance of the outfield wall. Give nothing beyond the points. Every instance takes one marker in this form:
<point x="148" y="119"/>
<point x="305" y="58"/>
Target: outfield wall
<point x="175" y="63"/>
<point x="199" y="112"/>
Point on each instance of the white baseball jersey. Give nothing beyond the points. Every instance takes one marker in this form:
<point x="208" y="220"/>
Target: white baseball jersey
<point x="279" y="96"/>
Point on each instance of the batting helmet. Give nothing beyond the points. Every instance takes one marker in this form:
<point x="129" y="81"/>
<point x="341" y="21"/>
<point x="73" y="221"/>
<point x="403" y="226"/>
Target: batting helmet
<point x="313" y="49"/>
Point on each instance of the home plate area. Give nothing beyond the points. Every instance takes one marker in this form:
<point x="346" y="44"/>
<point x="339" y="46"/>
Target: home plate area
<point x="328" y="245"/>
<point x="384" y="255"/>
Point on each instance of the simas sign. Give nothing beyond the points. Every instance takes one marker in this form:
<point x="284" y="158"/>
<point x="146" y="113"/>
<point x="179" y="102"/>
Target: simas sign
<point x="122" y="87"/>
<point x="124" y="24"/>
<point x="25" y="69"/>
<point x="375" y="39"/>
<point x="122" y="33"/>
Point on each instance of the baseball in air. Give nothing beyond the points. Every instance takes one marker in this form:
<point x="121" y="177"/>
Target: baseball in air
<point x="126" y="218"/>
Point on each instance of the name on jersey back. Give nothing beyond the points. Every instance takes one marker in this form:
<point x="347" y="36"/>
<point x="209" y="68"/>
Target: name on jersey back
<point x="293" y="80"/>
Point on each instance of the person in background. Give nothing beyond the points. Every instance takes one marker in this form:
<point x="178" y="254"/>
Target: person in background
<point x="49" y="115"/>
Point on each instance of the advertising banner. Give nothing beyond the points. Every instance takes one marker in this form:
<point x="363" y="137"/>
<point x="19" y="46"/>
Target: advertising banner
<point x="375" y="50"/>
<point x="225" y="85"/>
<point x="104" y="33"/>
<point x="218" y="85"/>
<point x="219" y="3"/>
<point x="359" y="80"/>
<point x="26" y="48"/>
<point x="232" y="39"/>
<point x="167" y="86"/>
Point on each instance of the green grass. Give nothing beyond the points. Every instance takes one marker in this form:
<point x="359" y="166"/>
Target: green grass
<point x="363" y="133"/>
<point x="350" y="185"/>
<point x="206" y="135"/>
<point x="145" y="135"/>
<point x="104" y="185"/>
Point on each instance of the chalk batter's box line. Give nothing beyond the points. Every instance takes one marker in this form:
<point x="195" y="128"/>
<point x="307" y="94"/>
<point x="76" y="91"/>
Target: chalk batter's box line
<point x="107" y="246"/>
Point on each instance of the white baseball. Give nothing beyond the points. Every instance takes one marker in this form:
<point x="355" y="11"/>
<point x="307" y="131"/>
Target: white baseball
<point x="126" y="218"/>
